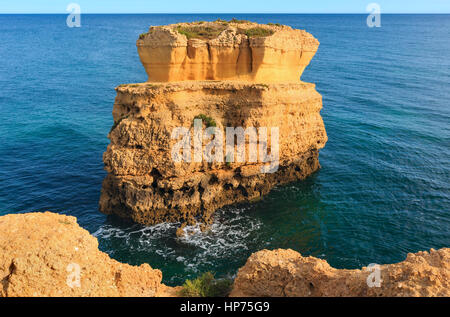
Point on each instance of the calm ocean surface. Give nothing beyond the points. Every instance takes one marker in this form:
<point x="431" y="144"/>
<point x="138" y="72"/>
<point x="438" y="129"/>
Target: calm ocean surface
<point x="383" y="189"/>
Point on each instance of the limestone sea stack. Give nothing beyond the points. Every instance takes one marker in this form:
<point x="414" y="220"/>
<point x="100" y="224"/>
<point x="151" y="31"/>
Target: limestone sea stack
<point x="236" y="75"/>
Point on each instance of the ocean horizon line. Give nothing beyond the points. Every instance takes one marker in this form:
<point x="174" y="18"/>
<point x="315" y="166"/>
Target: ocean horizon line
<point x="222" y="13"/>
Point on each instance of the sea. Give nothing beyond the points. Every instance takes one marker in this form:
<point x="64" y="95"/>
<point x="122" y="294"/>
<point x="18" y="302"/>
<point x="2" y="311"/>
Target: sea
<point x="383" y="189"/>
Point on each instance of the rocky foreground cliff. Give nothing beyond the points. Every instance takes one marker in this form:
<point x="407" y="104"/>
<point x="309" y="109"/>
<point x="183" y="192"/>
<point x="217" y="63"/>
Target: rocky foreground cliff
<point x="47" y="254"/>
<point x="281" y="273"/>
<point x="230" y="75"/>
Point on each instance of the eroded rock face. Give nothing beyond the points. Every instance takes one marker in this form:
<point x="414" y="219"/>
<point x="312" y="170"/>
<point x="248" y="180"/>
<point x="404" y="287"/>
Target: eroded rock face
<point x="146" y="184"/>
<point x="40" y="254"/>
<point x="281" y="273"/>
<point x="225" y="51"/>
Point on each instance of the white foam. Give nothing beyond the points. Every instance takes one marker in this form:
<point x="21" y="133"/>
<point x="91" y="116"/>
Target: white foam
<point x="226" y="238"/>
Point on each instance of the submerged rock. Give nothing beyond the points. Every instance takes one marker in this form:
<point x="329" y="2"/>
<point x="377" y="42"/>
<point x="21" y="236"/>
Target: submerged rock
<point x="281" y="273"/>
<point x="231" y="75"/>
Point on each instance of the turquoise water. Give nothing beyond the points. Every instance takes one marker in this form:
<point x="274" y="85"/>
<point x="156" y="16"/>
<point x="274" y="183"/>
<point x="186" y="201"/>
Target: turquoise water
<point x="383" y="189"/>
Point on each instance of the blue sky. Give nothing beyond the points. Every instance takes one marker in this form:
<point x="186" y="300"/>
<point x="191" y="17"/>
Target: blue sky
<point x="225" y="6"/>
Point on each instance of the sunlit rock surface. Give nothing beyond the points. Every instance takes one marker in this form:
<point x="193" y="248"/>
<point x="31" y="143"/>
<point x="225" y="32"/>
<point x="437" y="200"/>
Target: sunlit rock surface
<point x="280" y="273"/>
<point x="237" y="74"/>
<point x="47" y="254"/>
<point x="225" y="51"/>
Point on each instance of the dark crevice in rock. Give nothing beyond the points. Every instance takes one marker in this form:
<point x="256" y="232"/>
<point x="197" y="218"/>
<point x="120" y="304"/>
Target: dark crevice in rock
<point x="5" y="282"/>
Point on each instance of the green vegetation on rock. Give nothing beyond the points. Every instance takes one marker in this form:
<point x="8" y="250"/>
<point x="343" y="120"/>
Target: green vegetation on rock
<point x="200" y="32"/>
<point x="221" y="21"/>
<point x="256" y="32"/>
<point x="208" y="121"/>
<point x="196" y="30"/>
<point x="206" y="286"/>
<point x="234" y="20"/>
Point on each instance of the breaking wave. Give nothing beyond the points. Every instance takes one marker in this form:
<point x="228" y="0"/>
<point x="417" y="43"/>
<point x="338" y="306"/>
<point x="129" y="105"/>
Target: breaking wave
<point x="229" y="236"/>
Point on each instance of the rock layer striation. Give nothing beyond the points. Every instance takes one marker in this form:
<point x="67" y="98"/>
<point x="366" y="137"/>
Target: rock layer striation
<point x="222" y="50"/>
<point x="145" y="183"/>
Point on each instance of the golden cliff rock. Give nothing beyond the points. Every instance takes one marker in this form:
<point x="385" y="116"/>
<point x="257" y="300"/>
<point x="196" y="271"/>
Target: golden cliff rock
<point x="281" y="273"/>
<point x="47" y="254"/>
<point x="222" y="50"/>
<point x="231" y="75"/>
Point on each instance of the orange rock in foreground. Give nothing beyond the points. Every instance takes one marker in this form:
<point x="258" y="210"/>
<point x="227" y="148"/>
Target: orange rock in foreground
<point x="40" y="254"/>
<point x="286" y="273"/>
<point x="223" y="50"/>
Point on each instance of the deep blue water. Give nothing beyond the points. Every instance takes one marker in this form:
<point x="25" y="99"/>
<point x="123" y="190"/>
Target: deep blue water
<point x="383" y="189"/>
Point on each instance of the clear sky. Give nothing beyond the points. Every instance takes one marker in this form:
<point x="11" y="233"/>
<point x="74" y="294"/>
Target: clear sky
<point x="224" y="6"/>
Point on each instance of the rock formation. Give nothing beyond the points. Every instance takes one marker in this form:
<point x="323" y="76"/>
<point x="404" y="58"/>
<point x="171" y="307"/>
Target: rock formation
<point x="230" y="75"/>
<point x="286" y="273"/>
<point x="222" y="50"/>
<point x="42" y="253"/>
